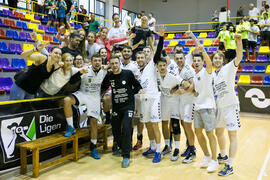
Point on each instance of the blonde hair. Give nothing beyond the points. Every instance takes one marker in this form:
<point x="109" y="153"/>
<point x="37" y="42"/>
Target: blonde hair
<point x="64" y="57"/>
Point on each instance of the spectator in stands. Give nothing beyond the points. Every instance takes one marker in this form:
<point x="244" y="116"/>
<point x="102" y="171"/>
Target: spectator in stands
<point x="58" y="78"/>
<point x="104" y="41"/>
<point x="230" y="45"/>
<point x="151" y="24"/>
<point x="266" y="11"/>
<point x="253" y="32"/>
<point x="50" y="8"/>
<point x="85" y="24"/>
<point x="13" y="4"/>
<point x="214" y="18"/>
<point x="240" y="14"/>
<point x="253" y="13"/>
<point x="70" y="8"/>
<point x="64" y="38"/>
<point x="40" y="4"/>
<point x="119" y="55"/>
<point x="137" y="20"/>
<point x="127" y="22"/>
<point x="61" y="12"/>
<point x="265" y="29"/>
<point x="221" y="36"/>
<point x="91" y="46"/>
<point x="224" y="14"/>
<point x="73" y="45"/>
<point x="81" y="47"/>
<point x="82" y="12"/>
<point x="93" y="24"/>
<point x="117" y="31"/>
<point x="103" y="54"/>
<point x="142" y="34"/>
<point x="27" y="82"/>
<point x="243" y="29"/>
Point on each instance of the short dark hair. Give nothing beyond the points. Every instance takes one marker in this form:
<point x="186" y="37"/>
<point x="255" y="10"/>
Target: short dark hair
<point x="113" y="56"/>
<point x="140" y="52"/>
<point x="127" y="47"/>
<point x="151" y="13"/>
<point x="73" y="35"/>
<point x="251" y="20"/>
<point x="114" y="15"/>
<point x="117" y="51"/>
<point x="198" y="55"/>
<point x="101" y="49"/>
<point x="129" y="13"/>
<point x="103" y="28"/>
<point x="179" y="52"/>
<point x="178" y="45"/>
<point x="162" y="59"/>
<point x="96" y="55"/>
<point x="266" y="6"/>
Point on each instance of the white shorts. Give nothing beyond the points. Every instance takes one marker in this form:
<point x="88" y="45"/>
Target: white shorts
<point x="91" y="102"/>
<point x="228" y="117"/>
<point x="169" y="107"/>
<point x="150" y="109"/>
<point x="186" y="111"/>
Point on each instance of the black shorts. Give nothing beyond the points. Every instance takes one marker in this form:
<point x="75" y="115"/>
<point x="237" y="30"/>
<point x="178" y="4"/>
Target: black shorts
<point x="252" y="44"/>
<point x="221" y="46"/>
<point x="265" y="35"/>
<point x="51" y="17"/>
<point x="61" y="20"/>
<point x="230" y="54"/>
<point x="245" y="43"/>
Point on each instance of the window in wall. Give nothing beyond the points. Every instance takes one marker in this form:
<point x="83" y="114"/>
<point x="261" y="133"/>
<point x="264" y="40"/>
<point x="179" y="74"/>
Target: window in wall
<point x="133" y="16"/>
<point x="92" y="5"/>
<point x="115" y="10"/>
<point x="124" y="13"/>
<point x="100" y="8"/>
<point x="101" y="22"/>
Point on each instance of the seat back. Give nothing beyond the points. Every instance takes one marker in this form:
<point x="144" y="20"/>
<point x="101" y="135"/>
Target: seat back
<point x="18" y="63"/>
<point x="4" y="62"/>
<point x="27" y="47"/>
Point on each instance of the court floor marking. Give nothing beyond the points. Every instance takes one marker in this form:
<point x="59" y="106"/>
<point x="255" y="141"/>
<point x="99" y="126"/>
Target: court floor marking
<point x="264" y="166"/>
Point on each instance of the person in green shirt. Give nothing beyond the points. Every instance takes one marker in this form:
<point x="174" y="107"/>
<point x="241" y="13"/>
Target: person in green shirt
<point x="93" y="24"/>
<point x="243" y="29"/>
<point x="221" y="36"/>
<point x="266" y="7"/>
<point x="230" y="45"/>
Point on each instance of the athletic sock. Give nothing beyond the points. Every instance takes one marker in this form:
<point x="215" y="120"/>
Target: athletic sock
<point x="139" y="137"/>
<point x="223" y="152"/>
<point x="94" y="141"/>
<point x="177" y="144"/>
<point x="167" y="142"/>
<point x="70" y="121"/>
<point x="153" y="145"/>
<point x="93" y="144"/>
<point x="158" y="148"/>
<point x="230" y="161"/>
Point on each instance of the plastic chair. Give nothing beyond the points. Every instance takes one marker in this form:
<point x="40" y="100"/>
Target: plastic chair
<point x="3" y="25"/>
<point x="207" y="43"/>
<point x="170" y="36"/>
<point x="21" y="16"/>
<point x="3" y="36"/>
<point x="12" y="48"/>
<point x="215" y="43"/>
<point x="9" y="14"/>
<point x="182" y="42"/>
<point x="166" y="43"/>
<point x="264" y="50"/>
<point x="172" y="43"/>
<point x="4" y="49"/>
<point x="257" y="80"/>
<point x="266" y="80"/>
<point x="24" y="26"/>
<point x="244" y="79"/>
<point x="18" y="63"/>
<point x="28" y="37"/>
<point x="247" y="69"/>
<point x="202" y="35"/>
<point x="27" y="47"/>
<point x="262" y="58"/>
<point x="190" y="43"/>
<point x="259" y="69"/>
<point x="31" y="18"/>
<point x="267" y="71"/>
<point x="6" y="83"/>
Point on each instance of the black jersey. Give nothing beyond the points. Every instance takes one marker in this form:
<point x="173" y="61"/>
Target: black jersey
<point x="123" y="86"/>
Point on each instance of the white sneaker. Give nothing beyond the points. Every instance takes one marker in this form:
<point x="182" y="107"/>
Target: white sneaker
<point x="213" y="166"/>
<point x="205" y="161"/>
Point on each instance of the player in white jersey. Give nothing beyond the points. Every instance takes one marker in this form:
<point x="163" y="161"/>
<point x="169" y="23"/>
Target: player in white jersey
<point x="167" y="80"/>
<point x="148" y="56"/>
<point x="150" y="101"/>
<point x="127" y="61"/>
<point x="227" y="104"/>
<point x="187" y="73"/>
<point x="89" y="95"/>
<point x="204" y="114"/>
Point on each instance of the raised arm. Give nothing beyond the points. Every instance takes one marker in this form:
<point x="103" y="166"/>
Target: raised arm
<point x="239" y="49"/>
<point x="37" y="58"/>
<point x="206" y="59"/>
<point x="157" y="56"/>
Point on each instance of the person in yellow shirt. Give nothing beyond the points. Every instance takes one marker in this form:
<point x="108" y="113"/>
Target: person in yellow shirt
<point x="230" y="45"/>
<point x="221" y="36"/>
<point x="243" y="29"/>
<point x="266" y="7"/>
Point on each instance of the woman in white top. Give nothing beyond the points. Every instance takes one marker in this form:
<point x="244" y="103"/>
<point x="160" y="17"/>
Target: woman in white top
<point x="91" y="47"/>
<point x="59" y="78"/>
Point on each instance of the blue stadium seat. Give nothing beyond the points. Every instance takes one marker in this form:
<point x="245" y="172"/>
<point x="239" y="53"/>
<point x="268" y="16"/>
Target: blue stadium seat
<point x="18" y="63"/>
<point x="266" y="80"/>
<point x="23" y="25"/>
<point x="259" y="69"/>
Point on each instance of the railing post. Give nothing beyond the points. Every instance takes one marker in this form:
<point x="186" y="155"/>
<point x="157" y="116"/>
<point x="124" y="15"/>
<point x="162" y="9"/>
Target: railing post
<point x="189" y="27"/>
<point x="32" y="6"/>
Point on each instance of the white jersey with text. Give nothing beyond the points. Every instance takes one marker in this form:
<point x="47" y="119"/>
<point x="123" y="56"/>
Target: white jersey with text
<point x="91" y="81"/>
<point x="132" y="66"/>
<point x="166" y="83"/>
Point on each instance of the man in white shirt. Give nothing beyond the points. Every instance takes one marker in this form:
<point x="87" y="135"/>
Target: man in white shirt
<point x="253" y="13"/>
<point x="137" y="20"/>
<point x="151" y="22"/>
<point x="265" y="29"/>
<point x="127" y="22"/>
<point x="253" y="32"/>
<point x="89" y="95"/>
<point x="204" y="114"/>
<point x="117" y="31"/>
<point x="91" y="47"/>
<point x="227" y="104"/>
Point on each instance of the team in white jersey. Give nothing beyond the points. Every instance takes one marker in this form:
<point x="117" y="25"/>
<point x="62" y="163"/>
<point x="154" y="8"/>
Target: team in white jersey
<point x="89" y="95"/>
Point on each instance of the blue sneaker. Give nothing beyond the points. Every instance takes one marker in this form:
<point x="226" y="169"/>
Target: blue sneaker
<point x="157" y="157"/>
<point x="227" y="170"/>
<point x="187" y="151"/>
<point x="94" y="154"/>
<point x="70" y="131"/>
<point x="149" y="152"/>
<point x="125" y="162"/>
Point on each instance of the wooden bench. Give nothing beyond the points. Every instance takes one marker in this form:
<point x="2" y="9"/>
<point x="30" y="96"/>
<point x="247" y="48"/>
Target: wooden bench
<point x="54" y="140"/>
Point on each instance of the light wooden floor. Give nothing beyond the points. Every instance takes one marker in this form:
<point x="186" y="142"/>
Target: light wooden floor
<point x="254" y="144"/>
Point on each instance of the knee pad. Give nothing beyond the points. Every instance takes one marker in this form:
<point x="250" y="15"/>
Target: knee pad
<point x="175" y="126"/>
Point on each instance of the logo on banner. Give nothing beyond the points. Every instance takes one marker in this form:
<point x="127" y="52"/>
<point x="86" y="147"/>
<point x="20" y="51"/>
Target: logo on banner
<point x="14" y="131"/>
<point x="258" y="98"/>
